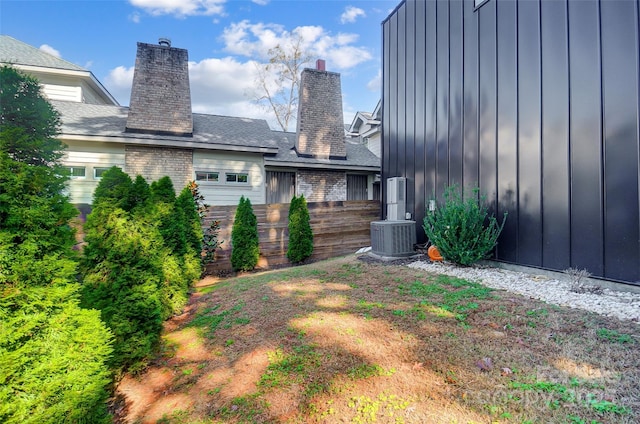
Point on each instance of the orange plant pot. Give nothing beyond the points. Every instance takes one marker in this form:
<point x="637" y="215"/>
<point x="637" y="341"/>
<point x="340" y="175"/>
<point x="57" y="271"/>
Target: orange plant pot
<point x="434" y="253"/>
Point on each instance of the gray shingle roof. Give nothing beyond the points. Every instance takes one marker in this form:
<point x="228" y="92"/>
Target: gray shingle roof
<point x="358" y="155"/>
<point x="83" y="119"/>
<point x="19" y="53"/>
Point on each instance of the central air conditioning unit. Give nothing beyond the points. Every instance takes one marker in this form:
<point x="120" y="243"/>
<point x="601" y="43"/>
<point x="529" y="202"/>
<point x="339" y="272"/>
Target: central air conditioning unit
<point x="393" y="238"/>
<point x="396" y="198"/>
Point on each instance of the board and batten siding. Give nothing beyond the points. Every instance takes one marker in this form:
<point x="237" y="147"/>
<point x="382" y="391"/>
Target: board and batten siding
<point x="223" y="193"/>
<point x="90" y="155"/>
<point x="535" y="102"/>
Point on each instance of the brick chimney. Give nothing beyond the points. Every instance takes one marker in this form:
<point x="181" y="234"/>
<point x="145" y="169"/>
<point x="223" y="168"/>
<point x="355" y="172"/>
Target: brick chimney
<point x="160" y="95"/>
<point x="320" y="131"/>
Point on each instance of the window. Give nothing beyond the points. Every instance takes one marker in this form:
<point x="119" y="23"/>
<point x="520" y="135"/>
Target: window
<point x="76" y="171"/>
<point x="233" y="177"/>
<point x="207" y="176"/>
<point x="478" y="3"/>
<point x="97" y="172"/>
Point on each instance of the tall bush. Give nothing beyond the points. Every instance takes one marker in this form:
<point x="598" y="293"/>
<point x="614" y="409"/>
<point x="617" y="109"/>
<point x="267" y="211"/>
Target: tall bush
<point x="461" y="228"/>
<point x="245" y="249"/>
<point x="53" y="354"/>
<point x="300" y="245"/>
<point x="137" y="263"/>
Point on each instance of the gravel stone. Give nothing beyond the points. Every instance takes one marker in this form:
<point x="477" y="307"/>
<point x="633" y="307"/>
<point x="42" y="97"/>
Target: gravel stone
<point x="612" y="303"/>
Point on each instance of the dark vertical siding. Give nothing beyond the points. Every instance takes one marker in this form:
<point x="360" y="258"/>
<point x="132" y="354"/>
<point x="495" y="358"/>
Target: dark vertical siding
<point x="420" y="109"/>
<point x="430" y="102"/>
<point x="507" y="127"/>
<point x="402" y="93"/>
<point x="442" y="95"/>
<point x="529" y="146"/>
<point x="537" y="103"/>
<point x="410" y="111"/>
<point x="585" y="136"/>
<point x="471" y="89"/>
<point x="555" y="136"/>
<point x="620" y="128"/>
<point x="455" y="93"/>
<point x="488" y="101"/>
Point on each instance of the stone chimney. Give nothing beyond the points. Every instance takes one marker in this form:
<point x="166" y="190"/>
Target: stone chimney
<point x="160" y="95"/>
<point x="320" y="131"/>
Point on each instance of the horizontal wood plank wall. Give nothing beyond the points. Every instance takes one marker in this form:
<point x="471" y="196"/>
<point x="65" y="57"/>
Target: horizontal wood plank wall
<point x="339" y="228"/>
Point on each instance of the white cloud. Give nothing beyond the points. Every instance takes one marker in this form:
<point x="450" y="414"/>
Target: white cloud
<point x="254" y="41"/>
<point x="135" y="17"/>
<point x="350" y="14"/>
<point x="118" y="82"/>
<point x="251" y="40"/>
<point x="375" y="84"/>
<point x="261" y="2"/>
<point x="181" y="8"/>
<point x="48" y="49"/>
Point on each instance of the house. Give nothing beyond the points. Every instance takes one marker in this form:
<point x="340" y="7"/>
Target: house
<point x="366" y="127"/>
<point x="158" y="134"/>
<point x="536" y="103"/>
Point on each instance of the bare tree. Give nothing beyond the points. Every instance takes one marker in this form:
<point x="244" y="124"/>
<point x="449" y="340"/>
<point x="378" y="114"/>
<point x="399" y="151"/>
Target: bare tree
<point x="278" y="81"/>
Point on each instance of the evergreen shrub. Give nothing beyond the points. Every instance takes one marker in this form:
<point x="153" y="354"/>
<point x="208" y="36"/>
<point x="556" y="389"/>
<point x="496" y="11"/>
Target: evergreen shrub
<point x="139" y="264"/>
<point x="53" y="354"/>
<point x="245" y="249"/>
<point x="300" y="245"/>
<point x="462" y="229"/>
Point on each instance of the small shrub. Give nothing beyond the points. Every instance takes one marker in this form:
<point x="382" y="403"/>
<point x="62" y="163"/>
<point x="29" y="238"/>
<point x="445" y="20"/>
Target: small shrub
<point x="245" y="248"/>
<point x="211" y="242"/>
<point x="461" y="228"/>
<point x="300" y="234"/>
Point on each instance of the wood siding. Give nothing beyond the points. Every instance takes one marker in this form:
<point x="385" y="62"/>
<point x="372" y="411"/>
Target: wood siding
<point x="535" y="102"/>
<point x="339" y="228"/>
<point x="223" y="193"/>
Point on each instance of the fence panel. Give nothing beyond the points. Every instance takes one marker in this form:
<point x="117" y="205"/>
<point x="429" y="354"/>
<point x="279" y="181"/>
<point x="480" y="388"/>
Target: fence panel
<point x="339" y="228"/>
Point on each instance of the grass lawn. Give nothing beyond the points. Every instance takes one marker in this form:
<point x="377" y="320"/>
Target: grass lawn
<point x="346" y="341"/>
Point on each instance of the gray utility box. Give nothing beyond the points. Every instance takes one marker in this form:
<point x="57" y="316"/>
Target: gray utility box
<point x="393" y="238"/>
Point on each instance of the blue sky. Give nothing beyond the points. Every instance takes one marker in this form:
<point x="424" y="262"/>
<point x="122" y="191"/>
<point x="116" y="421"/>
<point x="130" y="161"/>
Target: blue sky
<point x="225" y="40"/>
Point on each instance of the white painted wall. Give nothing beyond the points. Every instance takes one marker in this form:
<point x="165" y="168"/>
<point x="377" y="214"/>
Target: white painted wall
<point x="222" y="193"/>
<point x="91" y="155"/>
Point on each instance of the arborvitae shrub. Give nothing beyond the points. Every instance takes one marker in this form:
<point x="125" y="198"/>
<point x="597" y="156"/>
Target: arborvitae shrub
<point x="52" y="353"/>
<point x="163" y="191"/>
<point x="462" y="229"/>
<point x="115" y="188"/>
<point x="140" y="194"/>
<point x="138" y="267"/>
<point x="123" y="278"/>
<point x="245" y="249"/>
<point x="300" y="234"/>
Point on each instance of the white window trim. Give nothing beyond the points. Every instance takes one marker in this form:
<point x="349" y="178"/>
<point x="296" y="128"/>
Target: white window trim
<point x="76" y="177"/>
<point x="236" y="182"/>
<point x="104" y="169"/>
<point x="207" y="181"/>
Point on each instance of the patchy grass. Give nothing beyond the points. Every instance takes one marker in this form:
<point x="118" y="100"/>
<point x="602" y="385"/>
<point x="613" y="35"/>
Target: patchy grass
<point x="356" y="342"/>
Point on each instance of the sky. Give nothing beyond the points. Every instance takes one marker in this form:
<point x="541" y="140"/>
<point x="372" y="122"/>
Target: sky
<point x="227" y="40"/>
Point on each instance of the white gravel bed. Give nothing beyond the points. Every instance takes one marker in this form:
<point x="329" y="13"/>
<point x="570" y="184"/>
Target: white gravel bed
<point x="618" y="304"/>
